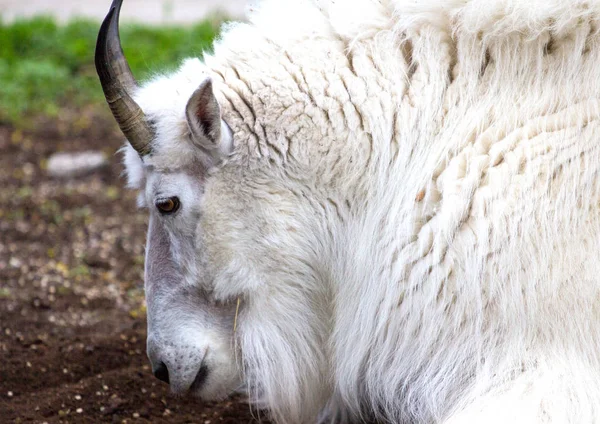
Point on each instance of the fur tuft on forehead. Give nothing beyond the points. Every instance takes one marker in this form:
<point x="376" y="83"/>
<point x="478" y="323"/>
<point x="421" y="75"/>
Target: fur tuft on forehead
<point x="134" y="170"/>
<point x="134" y="167"/>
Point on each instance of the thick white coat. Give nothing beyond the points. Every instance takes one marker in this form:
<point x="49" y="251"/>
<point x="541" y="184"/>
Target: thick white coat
<point x="411" y="212"/>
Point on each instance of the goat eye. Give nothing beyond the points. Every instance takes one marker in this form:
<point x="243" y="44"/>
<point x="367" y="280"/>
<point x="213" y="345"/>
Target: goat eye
<point x="166" y="206"/>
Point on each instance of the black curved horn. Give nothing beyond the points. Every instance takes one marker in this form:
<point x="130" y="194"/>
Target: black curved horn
<point x="117" y="82"/>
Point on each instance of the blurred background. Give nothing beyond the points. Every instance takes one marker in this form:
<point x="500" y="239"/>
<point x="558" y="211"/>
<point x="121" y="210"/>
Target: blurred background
<point x="72" y="313"/>
<point x="146" y="11"/>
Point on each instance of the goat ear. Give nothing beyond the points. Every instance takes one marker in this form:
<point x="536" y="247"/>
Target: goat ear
<point x="203" y="116"/>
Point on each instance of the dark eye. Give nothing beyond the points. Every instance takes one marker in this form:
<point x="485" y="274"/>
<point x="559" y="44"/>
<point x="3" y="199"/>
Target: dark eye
<point x="167" y="206"/>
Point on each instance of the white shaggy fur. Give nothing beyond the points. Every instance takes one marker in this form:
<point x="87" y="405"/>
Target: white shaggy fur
<point x="411" y="213"/>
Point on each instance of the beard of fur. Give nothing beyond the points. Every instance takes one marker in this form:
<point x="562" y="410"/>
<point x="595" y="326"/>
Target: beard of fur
<point x="284" y="361"/>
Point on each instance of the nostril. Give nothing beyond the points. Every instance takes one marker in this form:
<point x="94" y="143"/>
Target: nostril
<point x="161" y="372"/>
<point x="200" y="378"/>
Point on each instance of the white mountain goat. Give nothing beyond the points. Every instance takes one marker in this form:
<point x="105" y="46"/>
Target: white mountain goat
<point x="397" y="202"/>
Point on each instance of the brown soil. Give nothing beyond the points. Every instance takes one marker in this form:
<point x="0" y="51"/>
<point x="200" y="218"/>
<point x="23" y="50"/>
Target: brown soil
<point x="72" y="317"/>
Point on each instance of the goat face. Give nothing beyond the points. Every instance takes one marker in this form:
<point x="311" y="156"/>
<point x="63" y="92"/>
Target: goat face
<point x="190" y="333"/>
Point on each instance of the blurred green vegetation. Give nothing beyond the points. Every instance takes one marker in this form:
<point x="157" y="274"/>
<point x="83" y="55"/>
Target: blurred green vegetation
<point x="45" y="66"/>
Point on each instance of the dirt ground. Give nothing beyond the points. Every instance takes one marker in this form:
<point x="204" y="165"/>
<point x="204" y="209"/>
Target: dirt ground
<point x="72" y="318"/>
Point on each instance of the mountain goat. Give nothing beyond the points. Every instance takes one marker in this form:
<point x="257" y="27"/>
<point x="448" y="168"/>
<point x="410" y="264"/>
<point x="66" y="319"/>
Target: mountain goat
<point x="376" y="210"/>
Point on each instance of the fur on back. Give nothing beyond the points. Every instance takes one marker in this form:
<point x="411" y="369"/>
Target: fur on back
<point x="429" y="173"/>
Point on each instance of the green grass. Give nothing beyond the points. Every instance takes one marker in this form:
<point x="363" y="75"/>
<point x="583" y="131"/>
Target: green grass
<point x="46" y="67"/>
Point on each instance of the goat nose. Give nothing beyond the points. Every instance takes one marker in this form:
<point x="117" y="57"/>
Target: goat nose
<point x="161" y="372"/>
<point x="200" y="378"/>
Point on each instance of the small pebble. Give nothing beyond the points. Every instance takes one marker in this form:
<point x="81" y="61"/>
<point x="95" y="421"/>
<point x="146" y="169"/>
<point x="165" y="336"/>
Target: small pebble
<point x="77" y="397"/>
<point x="10" y="394"/>
<point x="79" y="410"/>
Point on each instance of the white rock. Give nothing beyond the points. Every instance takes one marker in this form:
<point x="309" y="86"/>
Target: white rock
<point x="69" y="165"/>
